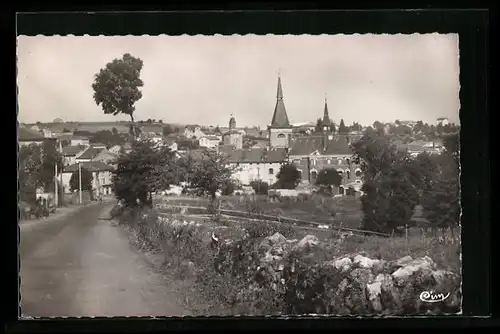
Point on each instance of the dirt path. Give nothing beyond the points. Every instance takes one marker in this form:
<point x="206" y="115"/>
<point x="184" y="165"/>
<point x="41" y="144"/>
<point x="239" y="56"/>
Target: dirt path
<point x="88" y="268"/>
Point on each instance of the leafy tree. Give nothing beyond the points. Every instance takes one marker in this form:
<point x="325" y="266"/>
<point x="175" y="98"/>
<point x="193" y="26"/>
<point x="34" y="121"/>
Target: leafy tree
<point x="29" y="178"/>
<point x="328" y="178"/>
<point x="210" y="174"/>
<point x="49" y="157"/>
<point x="288" y="177"/>
<point x="116" y="87"/>
<point x="160" y="121"/>
<point x="217" y="129"/>
<point x="114" y="131"/>
<point x="141" y="172"/>
<point x="333" y="129"/>
<point x="107" y="138"/>
<point x="319" y="125"/>
<point x="188" y="144"/>
<point x="260" y="187"/>
<point x="378" y="125"/>
<point x="389" y="186"/>
<point x="168" y="129"/>
<point x="342" y="128"/>
<point x="74" y="181"/>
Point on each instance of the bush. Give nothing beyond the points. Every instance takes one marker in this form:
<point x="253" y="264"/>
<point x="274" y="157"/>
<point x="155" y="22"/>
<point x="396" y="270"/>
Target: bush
<point x="260" y="187"/>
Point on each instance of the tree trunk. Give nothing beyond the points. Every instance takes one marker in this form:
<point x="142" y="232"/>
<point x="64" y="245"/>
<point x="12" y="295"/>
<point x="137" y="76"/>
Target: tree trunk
<point x="134" y="132"/>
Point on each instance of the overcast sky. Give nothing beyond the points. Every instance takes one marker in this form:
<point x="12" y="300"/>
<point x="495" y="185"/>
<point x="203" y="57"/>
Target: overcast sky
<point x="205" y="79"/>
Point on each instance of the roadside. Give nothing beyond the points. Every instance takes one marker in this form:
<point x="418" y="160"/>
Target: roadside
<point x="88" y="268"/>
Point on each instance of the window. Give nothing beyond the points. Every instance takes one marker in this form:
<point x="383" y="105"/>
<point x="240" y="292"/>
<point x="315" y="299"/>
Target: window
<point x="358" y="172"/>
<point x="348" y="161"/>
<point x="328" y="161"/>
<point x="313" y="162"/>
<point x="348" y="174"/>
<point x="271" y="171"/>
<point x="281" y="135"/>
<point x="339" y="161"/>
<point x="314" y="175"/>
<point x="341" y="190"/>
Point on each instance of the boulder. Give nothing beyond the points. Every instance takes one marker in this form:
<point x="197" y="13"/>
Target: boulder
<point x="342" y="264"/>
<point x="402" y="274"/>
<point x="308" y="242"/>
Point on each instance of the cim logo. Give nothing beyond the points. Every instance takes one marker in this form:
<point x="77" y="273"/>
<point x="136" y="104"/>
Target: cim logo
<point x="431" y="297"/>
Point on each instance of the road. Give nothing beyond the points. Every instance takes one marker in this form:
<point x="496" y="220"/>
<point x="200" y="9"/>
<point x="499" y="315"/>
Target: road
<point x="81" y="265"/>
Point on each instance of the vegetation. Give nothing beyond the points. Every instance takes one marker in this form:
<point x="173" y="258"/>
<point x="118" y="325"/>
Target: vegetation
<point x="288" y="177"/>
<point x="116" y="87"/>
<point x="37" y="169"/>
<point x="74" y="181"/>
<point x="329" y="178"/>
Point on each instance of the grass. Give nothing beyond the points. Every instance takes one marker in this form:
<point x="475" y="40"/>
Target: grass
<point x="314" y="208"/>
<point x="212" y="293"/>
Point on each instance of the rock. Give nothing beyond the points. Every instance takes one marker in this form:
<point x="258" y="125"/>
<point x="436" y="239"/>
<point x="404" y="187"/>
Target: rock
<point x="389" y="295"/>
<point x="421" y="264"/>
<point x="343" y="264"/>
<point x="308" y="241"/>
<point x="403" y="261"/>
<point x="187" y="269"/>
<point x="374" y="291"/>
<point x="364" y="262"/>
<point x="356" y="300"/>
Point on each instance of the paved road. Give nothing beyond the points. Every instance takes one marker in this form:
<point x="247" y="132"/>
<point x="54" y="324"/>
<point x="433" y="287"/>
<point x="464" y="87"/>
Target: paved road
<point x="80" y="265"/>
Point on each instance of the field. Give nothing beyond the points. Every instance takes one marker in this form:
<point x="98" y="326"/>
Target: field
<point x="347" y="210"/>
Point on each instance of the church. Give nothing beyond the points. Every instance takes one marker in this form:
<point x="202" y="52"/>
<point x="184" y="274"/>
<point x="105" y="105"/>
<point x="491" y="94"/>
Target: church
<point x="310" y="153"/>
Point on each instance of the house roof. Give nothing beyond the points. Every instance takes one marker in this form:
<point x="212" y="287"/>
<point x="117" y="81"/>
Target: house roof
<point x="70" y="151"/>
<point x="92" y="166"/>
<point x="169" y="141"/>
<point x="280" y="117"/>
<point x="90" y="153"/>
<point x="309" y="144"/>
<point x="211" y="137"/>
<point x="30" y="135"/>
<point x="79" y="138"/>
<point x="232" y="132"/>
<point x="254" y="155"/>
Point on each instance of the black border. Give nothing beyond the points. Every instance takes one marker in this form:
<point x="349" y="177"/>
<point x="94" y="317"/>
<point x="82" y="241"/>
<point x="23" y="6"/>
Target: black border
<point x="473" y="29"/>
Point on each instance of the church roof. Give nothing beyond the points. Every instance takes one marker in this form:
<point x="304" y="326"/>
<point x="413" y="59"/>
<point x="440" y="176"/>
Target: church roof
<point x="280" y="118"/>
<point x="326" y="117"/>
<point x="309" y="144"/>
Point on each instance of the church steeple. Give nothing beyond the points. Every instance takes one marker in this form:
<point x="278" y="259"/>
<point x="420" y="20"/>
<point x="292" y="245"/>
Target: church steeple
<point x="280" y="118"/>
<point x="326" y="117"/>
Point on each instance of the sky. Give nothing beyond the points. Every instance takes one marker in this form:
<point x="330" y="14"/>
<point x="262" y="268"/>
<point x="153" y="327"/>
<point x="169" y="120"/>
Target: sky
<point x="206" y="79"/>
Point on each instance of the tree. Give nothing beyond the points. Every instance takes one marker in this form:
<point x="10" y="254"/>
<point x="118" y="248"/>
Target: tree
<point x="319" y="125"/>
<point x="217" y="129"/>
<point x="74" y="181"/>
<point x="328" y="178"/>
<point x="29" y="172"/>
<point x="114" y="131"/>
<point x="378" y="125"/>
<point x="288" y="176"/>
<point x="342" y="128"/>
<point x="260" y="187"/>
<point x="168" y="129"/>
<point x="160" y="121"/>
<point x="389" y="183"/>
<point x="107" y="138"/>
<point x="116" y="87"/>
<point x="66" y="130"/>
<point x="210" y="174"/>
<point x="144" y="170"/>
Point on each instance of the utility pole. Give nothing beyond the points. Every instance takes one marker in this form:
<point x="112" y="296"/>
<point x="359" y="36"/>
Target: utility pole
<point x="80" y="181"/>
<point x="55" y="185"/>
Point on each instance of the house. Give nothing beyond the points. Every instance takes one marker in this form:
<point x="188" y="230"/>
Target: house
<point x="79" y="140"/>
<point x="442" y="121"/>
<point x="312" y="154"/>
<point x="255" y="164"/>
<point x="209" y="141"/>
<point x="115" y="149"/>
<point x="194" y="132"/>
<point x="102" y="176"/>
<point x="28" y="137"/>
<point x="89" y="154"/>
<point x="69" y="154"/>
<point x="415" y="148"/>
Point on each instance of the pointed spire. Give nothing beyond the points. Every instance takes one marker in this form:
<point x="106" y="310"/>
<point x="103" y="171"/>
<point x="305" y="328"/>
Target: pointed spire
<point x="279" y="94"/>
<point x="326" y="117"/>
<point x="280" y="118"/>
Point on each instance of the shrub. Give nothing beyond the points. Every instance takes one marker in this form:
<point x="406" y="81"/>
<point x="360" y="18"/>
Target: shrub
<point x="260" y="187"/>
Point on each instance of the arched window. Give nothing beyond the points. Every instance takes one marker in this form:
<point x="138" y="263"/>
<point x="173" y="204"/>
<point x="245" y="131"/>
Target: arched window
<point x="348" y="174"/>
<point x="314" y="175"/>
<point x="300" y="173"/>
<point x="358" y="172"/>
<point x="339" y="161"/>
<point x="347" y="161"/>
<point x="281" y="135"/>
